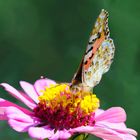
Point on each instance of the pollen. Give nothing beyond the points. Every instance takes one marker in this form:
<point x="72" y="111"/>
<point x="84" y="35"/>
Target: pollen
<point x="90" y="103"/>
<point x="60" y="108"/>
<point x="52" y="92"/>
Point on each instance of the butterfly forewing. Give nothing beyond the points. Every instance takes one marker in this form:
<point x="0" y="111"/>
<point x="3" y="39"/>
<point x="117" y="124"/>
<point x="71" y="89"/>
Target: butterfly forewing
<point x="98" y="56"/>
<point x="99" y="52"/>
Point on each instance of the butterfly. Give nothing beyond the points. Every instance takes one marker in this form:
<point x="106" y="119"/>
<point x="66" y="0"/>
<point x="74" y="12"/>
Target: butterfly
<point x="97" y="58"/>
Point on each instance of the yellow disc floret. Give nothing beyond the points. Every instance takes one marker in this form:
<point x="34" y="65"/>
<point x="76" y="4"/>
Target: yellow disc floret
<point x="63" y="108"/>
<point x="89" y="103"/>
<point x="61" y="95"/>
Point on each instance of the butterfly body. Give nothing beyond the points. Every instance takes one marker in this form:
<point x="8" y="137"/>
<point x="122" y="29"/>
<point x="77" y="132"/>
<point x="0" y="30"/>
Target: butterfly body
<point x="97" y="58"/>
<point x="80" y="87"/>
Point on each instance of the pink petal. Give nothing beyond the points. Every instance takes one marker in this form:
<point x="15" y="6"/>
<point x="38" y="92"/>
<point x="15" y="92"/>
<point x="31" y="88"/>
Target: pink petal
<point x="17" y="95"/>
<point x="19" y="120"/>
<point x="106" y="133"/>
<point x="2" y="114"/>
<point x="128" y="137"/>
<point x="42" y="83"/>
<point x="29" y="89"/>
<point x="103" y="133"/>
<point x="40" y="132"/>
<point x="119" y="127"/>
<point x="114" y="114"/>
<point x="26" y="96"/>
<point x="19" y="126"/>
<point x="82" y="129"/>
<point x="131" y="131"/>
<point x="109" y="134"/>
<point x="61" y="134"/>
<point x="17" y="114"/>
<point x="98" y="112"/>
<point x="6" y="104"/>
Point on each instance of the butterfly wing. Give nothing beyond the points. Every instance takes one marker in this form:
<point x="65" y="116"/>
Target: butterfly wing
<point x="100" y="64"/>
<point x="98" y="56"/>
<point x="99" y="52"/>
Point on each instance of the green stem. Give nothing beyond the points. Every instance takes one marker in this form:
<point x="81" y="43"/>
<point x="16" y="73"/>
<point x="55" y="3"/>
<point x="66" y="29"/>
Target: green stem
<point x="79" y="137"/>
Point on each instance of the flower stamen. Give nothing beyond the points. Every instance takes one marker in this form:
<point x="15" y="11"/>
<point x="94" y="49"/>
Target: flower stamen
<point x="60" y="108"/>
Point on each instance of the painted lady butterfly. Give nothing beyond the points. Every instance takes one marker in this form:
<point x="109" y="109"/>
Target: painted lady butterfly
<point x="97" y="58"/>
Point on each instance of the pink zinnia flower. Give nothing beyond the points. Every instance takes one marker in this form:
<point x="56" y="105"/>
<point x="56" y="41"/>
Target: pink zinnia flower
<point x="55" y="113"/>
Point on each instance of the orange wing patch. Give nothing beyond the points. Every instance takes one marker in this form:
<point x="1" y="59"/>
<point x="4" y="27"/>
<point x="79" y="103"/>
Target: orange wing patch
<point x="100" y="64"/>
<point x="95" y="47"/>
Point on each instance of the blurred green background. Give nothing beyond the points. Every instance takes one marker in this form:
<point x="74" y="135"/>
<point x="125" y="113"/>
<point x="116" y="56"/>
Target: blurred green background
<point x="49" y="37"/>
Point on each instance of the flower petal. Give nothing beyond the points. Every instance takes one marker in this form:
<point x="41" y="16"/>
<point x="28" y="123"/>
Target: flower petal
<point x="82" y="129"/>
<point x="101" y="132"/>
<point x="19" y="126"/>
<point x="106" y="133"/>
<point x="61" y="134"/>
<point x="114" y="114"/>
<point x="40" y="132"/>
<point x="29" y="89"/>
<point x="98" y="112"/>
<point x="17" y="114"/>
<point x="26" y="96"/>
<point x="17" y="95"/>
<point x="119" y="127"/>
<point x="19" y="120"/>
<point x="4" y="104"/>
<point x="109" y="134"/>
<point x="128" y="137"/>
<point x="109" y="125"/>
<point x="42" y="83"/>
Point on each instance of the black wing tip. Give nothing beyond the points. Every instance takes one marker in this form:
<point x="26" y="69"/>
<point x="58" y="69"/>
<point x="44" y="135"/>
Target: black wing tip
<point x="105" y="12"/>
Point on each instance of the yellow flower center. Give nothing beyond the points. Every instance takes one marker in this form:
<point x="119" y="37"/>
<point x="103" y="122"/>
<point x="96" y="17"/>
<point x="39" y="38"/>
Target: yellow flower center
<point x="61" y="108"/>
<point x="60" y="94"/>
